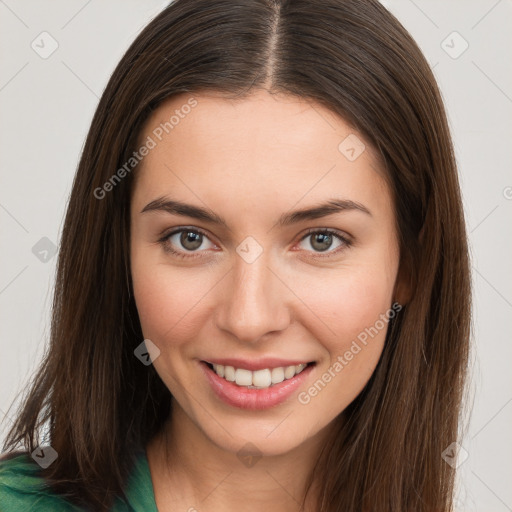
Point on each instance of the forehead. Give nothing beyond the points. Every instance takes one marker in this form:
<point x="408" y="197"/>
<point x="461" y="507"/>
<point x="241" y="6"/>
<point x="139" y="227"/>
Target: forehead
<point x="263" y="147"/>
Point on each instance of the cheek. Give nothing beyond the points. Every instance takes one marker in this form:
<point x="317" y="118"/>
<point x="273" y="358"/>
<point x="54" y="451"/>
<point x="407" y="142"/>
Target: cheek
<point x="363" y="326"/>
<point x="347" y="303"/>
<point x="168" y="302"/>
<point x="351" y="306"/>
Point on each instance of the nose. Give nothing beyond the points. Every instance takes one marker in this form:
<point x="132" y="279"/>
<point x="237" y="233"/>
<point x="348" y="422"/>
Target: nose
<point x="254" y="301"/>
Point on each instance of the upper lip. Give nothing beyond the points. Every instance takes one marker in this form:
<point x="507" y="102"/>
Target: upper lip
<point x="256" y="364"/>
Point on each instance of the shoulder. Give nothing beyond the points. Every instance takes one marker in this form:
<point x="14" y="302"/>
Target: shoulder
<point x="23" y="488"/>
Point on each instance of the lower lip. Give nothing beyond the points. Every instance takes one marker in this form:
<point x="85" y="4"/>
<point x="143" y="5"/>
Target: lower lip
<point x="255" y="399"/>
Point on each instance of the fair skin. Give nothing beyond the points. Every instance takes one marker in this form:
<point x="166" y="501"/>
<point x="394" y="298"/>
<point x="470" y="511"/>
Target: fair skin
<point x="251" y="161"/>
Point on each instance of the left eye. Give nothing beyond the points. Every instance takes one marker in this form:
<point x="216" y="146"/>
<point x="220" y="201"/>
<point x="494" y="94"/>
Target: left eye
<point x="321" y="240"/>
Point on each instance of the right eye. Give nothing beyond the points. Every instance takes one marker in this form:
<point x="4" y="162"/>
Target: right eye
<point x="190" y="239"/>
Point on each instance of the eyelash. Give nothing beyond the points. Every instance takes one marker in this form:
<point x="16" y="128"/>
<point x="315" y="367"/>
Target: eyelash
<point x="164" y="241"/>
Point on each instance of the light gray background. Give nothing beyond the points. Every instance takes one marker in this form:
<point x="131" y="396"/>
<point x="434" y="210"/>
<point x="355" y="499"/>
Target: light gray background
<point x="46" y="107"/>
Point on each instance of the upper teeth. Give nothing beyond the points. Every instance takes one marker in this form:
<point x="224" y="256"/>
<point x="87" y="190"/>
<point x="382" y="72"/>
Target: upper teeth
<point x="260" y="378"/>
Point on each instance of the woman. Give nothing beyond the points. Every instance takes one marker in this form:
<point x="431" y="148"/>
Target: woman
<point x="263" y="289"/>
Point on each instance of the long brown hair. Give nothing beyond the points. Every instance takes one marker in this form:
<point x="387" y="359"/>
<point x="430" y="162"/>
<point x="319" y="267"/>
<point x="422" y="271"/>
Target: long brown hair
<point x="355" y="58"/>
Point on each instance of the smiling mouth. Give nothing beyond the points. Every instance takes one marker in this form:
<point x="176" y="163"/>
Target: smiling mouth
<point x="259" y="379"/>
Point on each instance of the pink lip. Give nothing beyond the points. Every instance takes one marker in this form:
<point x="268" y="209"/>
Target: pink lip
<point x="257" y="364"/>
<point x="254" y="399"/>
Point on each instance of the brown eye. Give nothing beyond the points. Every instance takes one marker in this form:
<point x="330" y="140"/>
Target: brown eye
<point x="322" y="240"/>
<point x="191" y="240"/>
<point x="185" y="242"/>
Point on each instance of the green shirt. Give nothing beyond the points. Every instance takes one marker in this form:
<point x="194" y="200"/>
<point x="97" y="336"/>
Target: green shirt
<point x="22" y="489"/>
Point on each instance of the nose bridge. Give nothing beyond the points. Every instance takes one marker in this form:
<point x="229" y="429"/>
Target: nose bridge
<point x="254" y="300"/>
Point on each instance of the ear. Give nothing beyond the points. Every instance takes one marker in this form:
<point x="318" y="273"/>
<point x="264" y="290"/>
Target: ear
<point x="404" y="284"/>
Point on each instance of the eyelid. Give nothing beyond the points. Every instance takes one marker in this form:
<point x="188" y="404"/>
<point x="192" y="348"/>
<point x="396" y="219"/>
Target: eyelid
<point x="342" y="234"/>
<point x="178" y="229"/>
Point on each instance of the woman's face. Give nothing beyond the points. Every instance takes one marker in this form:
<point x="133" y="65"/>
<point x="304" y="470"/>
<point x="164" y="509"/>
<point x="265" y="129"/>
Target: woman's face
<point x="254" y="286"/>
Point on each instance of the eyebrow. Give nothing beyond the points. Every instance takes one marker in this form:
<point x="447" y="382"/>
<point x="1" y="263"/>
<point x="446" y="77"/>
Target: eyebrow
<point x="329" y="207"/>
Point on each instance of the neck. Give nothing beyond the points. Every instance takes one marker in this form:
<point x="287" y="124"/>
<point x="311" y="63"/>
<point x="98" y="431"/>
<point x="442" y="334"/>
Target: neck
<point x="189" y="470"/>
